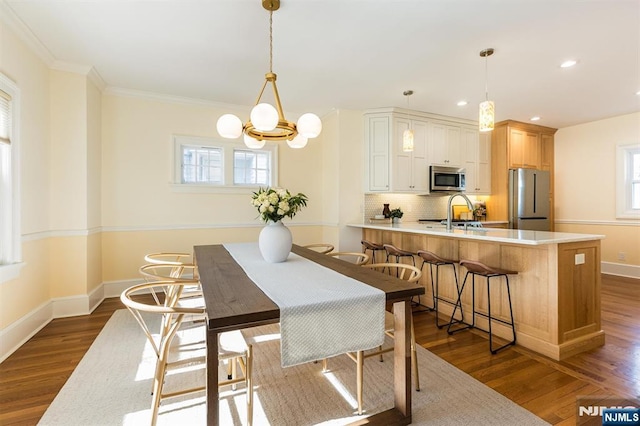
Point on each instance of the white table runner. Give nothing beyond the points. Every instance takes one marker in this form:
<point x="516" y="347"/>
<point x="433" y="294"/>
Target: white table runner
<point x="322" y="312"/>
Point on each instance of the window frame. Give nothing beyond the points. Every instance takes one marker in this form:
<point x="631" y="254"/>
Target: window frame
<point x="624" y="181"/>
<point x="228" y="148"/>
<point x="10" y="201"/>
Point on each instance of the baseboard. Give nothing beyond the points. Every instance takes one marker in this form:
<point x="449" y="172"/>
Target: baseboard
<point x="619" y="269"/>
<point x="17" y="334"/>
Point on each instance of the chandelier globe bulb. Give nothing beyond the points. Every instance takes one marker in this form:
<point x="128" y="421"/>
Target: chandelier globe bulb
<point x="264" y="117"/>
<point x="229" y="126"/>
<point x="298" y="142"/>
<point x="309" y="125"/>
<point x="253" y="143"/>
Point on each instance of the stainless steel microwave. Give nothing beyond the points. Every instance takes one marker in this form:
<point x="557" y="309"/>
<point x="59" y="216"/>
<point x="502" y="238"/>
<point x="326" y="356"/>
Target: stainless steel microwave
<point x="448" y="179"/>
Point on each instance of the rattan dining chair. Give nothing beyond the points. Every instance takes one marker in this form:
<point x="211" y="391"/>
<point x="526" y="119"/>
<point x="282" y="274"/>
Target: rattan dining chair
<point x="232" y="346"/>
<point x="322" y="248"/>
<point x="350" y="256"/>
<point x="191" y="293"/>
<point x="410" y="274"/>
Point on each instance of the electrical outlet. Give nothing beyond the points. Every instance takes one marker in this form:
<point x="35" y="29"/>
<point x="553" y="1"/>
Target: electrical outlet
<point x="622" y="256"/>
<point x="580" y="259"/>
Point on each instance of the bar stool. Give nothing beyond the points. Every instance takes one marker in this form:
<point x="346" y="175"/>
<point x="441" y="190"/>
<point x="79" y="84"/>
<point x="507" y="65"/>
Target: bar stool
<point x="476" y="268"/>
<point x="398" y="253"/>
<point x="434" y="260"/>
<point x="374" y="247"/>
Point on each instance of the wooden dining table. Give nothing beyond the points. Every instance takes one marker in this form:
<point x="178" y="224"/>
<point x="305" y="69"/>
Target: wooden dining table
<point x="233" y="301"/>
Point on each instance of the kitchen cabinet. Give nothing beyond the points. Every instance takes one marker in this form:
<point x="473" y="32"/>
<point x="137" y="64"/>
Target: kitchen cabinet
<point x="378" y="136"/>
<point x="437" y="140"/>
<point x="445" y="144"/>
<point x="410" y="171"/>
<point x="517" y="145"/>
<point x="477" y="161"/>
<point x="524" y="149"/>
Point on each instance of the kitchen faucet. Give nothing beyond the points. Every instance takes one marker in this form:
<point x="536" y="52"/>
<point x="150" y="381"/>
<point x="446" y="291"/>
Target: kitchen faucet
<point x="469" y="204"/>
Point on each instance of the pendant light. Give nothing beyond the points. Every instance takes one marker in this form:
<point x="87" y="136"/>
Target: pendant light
<point x="487" y="110"/>
<point x="407" y="135"/>
<point x="267" y="123"/>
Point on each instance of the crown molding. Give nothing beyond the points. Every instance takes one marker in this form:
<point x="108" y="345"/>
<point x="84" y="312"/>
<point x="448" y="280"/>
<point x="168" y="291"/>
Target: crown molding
<point x="25" y="34"/>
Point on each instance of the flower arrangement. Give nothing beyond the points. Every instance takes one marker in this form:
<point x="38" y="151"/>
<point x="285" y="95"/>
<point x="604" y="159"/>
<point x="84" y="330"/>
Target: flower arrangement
<point x="274" y="204"/>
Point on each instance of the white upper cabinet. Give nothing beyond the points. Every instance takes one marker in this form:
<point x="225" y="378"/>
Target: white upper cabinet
<point x="377" y="133"/>
<point x="477" y="155"/>
<point x="409" y="169"/>
<point x="445" y="144"/>
<point x="438" y="140"/>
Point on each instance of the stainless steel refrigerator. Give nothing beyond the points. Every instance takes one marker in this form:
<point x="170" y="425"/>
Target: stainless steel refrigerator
<point x="529" y="199"/>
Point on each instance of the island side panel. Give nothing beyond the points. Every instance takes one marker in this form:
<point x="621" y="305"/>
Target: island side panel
<point x="579" y="281"/>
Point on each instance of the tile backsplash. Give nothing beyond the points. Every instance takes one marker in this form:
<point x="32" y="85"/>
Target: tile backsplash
<point x="414" y="206"/>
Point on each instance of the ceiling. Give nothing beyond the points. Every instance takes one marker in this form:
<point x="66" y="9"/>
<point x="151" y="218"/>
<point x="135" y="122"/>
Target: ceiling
<point x="355" y="54"/>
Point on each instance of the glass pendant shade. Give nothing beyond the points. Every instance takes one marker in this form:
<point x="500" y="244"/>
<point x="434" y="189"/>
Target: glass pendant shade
<point x="253" y="143"/>
<point x="309" y="125"/>
<point x="229" y="126"/>
<point x="407" y="140"/>
<point x="264" y="117"/>
<point x="487" y="116"/>
<point x="298" y="142"/>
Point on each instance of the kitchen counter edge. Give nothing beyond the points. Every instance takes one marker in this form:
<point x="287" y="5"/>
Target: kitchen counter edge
<point x="513" y="236"/>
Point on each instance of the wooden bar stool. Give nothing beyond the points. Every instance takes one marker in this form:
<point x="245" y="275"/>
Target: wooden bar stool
<point x="434" y="260"/>
<point x="477" y="268"/>
<point x="374" y="247"/>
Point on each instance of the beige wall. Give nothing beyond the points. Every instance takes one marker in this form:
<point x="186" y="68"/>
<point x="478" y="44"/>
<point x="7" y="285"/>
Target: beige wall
<point x="31" y="290"/>
<point x="585" y="185"/>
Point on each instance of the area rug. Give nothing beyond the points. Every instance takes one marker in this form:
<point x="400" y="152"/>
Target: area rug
<point x="112" y="383"/>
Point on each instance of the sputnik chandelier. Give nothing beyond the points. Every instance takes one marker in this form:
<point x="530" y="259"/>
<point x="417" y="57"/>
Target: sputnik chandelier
<point x="267" y="123"/>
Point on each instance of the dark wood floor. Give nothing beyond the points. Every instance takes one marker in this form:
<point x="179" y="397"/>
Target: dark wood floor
<point x="32" y="376"/>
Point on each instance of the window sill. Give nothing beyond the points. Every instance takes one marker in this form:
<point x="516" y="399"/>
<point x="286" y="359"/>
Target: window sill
<point x="212" y="189"/>
<point x="10" y="272"/>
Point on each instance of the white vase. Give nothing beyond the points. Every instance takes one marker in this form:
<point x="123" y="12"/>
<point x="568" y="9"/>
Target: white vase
<point x="275" y="242"/>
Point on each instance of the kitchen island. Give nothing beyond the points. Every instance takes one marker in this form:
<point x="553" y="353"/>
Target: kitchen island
<point x="555" y="295"/>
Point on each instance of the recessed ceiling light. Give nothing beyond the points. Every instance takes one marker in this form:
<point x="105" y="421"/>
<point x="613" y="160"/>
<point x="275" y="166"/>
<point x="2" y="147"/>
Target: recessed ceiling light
<point x="638" y="92"/>
<point x="461" y="103"/>
<point x="569" y="63"/>
<point x="536" y="118"/>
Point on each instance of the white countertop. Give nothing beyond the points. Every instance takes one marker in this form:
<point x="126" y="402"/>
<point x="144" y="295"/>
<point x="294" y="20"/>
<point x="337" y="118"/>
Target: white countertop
<point x="512" y="236"/>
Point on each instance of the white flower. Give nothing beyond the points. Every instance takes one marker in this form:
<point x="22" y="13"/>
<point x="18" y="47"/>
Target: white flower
<point x="262" y="209"/>
<point x="284" y="206"/>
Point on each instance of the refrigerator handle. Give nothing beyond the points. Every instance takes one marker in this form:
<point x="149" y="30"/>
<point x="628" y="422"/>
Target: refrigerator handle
<point x="535" y="192"/>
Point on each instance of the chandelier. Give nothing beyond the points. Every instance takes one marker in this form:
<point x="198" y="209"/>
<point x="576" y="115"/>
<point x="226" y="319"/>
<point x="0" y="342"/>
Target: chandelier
<point x="487" y="108"/>
<point x="267" y="123"/>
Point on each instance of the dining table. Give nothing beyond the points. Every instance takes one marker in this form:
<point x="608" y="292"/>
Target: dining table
<point x="233" y="301"/>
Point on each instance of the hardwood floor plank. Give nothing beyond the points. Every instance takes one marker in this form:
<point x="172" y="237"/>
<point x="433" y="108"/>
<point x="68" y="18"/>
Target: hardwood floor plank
<point x="32" y="376"/>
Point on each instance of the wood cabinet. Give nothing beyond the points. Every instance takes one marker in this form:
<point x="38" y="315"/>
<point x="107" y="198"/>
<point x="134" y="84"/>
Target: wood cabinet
<point x="477" y="161"/>
<point x="517" y="145"/>
<point x="524" y="149"/>
<point x="438" y="140"/>
<point x="445" y="143"/>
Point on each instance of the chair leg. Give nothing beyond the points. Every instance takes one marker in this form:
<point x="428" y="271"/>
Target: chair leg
<point x="249" y="384"/>
<point x="359" y="379"/>
<point x="414" y="357"/>
<point x="458" y="304"/>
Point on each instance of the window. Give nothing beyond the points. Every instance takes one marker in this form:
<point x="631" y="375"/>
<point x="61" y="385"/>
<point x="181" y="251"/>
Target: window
<point x="251" y="167"/>
<point x="204" y="164"/>
<point x="10" y="243"/>
<point x="628" y="181"/>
